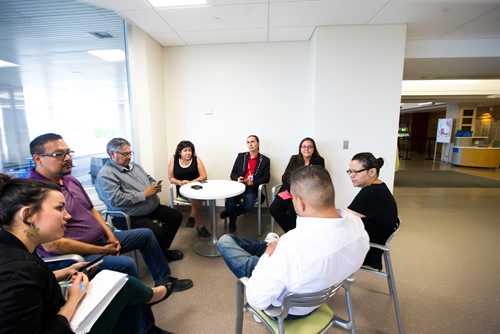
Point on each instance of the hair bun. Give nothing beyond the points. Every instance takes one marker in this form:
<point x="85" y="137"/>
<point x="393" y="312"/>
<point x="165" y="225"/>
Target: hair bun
<point x="4" y="180"/>
<point x="380" y="162"/>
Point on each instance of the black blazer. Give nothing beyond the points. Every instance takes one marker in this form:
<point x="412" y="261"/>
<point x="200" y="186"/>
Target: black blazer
<point x="30" y="297"/>
<point x="261" y="174"/>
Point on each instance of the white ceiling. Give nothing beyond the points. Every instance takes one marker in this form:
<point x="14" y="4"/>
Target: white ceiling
<point x="49" y="39"/>
<point x="244" y="21"/>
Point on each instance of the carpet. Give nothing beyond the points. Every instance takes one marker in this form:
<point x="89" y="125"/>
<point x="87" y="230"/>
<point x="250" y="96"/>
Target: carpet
<point x="441" y="179"/>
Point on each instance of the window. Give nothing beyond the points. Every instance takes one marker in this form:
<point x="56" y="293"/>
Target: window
<point x="53" y="83"/>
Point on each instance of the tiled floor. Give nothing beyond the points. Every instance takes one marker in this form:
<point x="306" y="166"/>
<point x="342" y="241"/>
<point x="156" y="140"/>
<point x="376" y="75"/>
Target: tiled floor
<point x="445" y="260"/>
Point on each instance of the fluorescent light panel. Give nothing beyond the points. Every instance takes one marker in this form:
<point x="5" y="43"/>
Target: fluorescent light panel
<point x="7" y="64"/>
<point x="177" y="3"/>
<point x="109" y="55"/>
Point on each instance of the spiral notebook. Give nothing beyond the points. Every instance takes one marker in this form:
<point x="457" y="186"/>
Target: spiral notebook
<point x="101" y="291"/>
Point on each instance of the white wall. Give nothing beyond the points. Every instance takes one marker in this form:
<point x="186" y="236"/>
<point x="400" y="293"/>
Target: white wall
<point x="262" y="89"/>
<point x="359" y="70"/>
<point x="148" y="106"/>
<point x="281" y="92"/>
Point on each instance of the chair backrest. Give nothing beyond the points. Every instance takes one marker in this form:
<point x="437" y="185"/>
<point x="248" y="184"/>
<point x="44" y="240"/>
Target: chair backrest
<point x="396" y="230"/>
<point x="94" y="198"/>
<point x="312" y="299"/>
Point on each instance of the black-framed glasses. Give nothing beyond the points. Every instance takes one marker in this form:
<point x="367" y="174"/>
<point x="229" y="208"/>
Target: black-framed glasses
<point x="307" y="147"/>
<point x="355" y="172"/>
<point x="125" y="154"/>
<point x="58" y="155"/>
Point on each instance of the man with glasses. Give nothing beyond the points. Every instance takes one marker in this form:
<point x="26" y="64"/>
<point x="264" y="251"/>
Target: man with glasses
<point x="86" y="232"/>
<point x="123" y="185"/>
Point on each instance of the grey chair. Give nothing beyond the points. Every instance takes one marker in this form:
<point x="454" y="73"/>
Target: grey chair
<point x="175" y="199"/>
<point x="274" y="191"/>
<point x="258" y="202"/>
<point x="274" y="318"/>
<point x="65" y="257"/>
<point x="389" y="275"/>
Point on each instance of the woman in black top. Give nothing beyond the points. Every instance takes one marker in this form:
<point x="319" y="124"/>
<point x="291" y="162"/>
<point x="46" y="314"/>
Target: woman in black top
<point x="282" y="208"/>
<point x="33" y="212"/>
<point x="374" y="204"/>
<point x="185" y="167"/>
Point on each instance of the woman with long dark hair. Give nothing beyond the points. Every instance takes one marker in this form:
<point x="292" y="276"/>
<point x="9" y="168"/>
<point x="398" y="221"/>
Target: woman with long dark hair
<point x="33" y="212"/>
<point x="282" y="208"/>
<point x="185" y="167"/>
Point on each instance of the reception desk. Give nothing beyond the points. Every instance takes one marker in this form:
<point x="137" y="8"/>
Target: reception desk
<point x="473" y="156"/>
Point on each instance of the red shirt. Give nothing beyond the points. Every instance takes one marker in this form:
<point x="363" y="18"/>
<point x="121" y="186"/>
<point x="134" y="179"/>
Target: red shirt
<point x="251" y="167"/>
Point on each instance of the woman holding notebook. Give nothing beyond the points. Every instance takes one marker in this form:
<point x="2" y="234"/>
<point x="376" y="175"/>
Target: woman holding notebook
<point x="32" y="213"/>
<point x="282" y="208"/>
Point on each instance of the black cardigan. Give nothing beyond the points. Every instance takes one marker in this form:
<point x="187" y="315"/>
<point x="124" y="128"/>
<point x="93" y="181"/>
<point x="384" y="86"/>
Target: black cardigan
<point x="30" y="296"/>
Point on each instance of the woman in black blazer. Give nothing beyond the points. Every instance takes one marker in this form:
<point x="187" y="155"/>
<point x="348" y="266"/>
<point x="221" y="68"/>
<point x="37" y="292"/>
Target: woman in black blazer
<point x="282" y="208"/>
<point x="32" y="213"/>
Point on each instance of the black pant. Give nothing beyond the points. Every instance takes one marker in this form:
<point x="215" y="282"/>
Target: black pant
<point x="164" y="222"/>
<point x="284" y="213"/>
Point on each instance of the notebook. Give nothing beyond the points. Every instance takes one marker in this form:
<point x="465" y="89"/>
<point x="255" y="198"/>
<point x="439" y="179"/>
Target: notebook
<point x="101" y="291"/>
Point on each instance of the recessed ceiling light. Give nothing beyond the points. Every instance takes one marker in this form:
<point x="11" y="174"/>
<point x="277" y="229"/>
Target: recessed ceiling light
<point x="109" y="55"/>
<point x="177" y="3"/>
<point x="7" y="64"/>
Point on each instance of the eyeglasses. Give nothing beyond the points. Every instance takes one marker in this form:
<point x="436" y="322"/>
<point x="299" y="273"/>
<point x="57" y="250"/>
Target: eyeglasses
<point x="307" y="147"/>
<point x="355" y="172"/>
<point x="58" y="155"/>
<point x="126" y="154"/>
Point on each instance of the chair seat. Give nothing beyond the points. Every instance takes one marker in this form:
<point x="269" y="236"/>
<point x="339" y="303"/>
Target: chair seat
<point x="316" y="322"/>
<point x="181" y="199"/>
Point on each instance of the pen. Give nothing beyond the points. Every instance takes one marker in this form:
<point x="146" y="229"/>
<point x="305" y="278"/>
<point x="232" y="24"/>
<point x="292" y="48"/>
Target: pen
<point x="81" y="286"/>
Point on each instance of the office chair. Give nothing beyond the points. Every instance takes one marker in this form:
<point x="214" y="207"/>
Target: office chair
<point x="274" y="318"/>
<point x="274" y="191"/>
<point x="389" y="274"/>
<point x="258" y="202"/>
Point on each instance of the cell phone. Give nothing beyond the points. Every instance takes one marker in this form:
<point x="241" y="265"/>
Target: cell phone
<point x="97" y="261"/>
<point x="159" y="182"/>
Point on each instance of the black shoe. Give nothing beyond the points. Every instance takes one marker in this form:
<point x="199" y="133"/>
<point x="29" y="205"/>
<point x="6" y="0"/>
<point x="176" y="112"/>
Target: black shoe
<point x="180" y="284"/>
<point x="157" y="330"/>
<point x="232" y="226"/>
<point x="203" y="232"/>
<point x="223" y="214"/>
<point x="170" y="288"/>
<point x="173" y="255"/>
<point x="190" y="222"/>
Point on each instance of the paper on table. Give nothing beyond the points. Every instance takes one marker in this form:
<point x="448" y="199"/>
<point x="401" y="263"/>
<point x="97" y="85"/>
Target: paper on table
<point x="102" y="289"/>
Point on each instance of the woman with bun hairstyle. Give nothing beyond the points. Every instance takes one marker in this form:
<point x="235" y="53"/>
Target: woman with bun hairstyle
<point x="282" y="208"/>
<point x="374" y="204"/>
<point x="33" y="212"/>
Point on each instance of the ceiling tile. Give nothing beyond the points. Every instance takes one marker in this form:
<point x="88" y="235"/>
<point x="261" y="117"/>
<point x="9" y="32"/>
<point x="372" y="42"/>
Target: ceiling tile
<point x="148" y="20"/>
<point x="168" y="39"/>
<point x="119" y="4"/>
<point x="216" y="18"/>
<point x="233" y="2"/>
<point x="224" y="36"/>
<point x="431" y="19"/>
<point x="290" y="34"/>
<point x="323" y="12"/>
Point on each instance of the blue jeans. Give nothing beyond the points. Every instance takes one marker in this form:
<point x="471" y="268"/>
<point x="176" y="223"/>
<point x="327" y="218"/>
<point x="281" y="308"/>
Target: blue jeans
<point x="241" y="254"/>
<point x="142" y="239"/>
<point x="235" y="206"/>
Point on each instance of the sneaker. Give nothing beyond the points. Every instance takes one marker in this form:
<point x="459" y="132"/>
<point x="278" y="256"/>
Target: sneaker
<point x="203" y="232"/>
<point x="173" y="255"/>
<point x="223" y="214"/>
<point x="191" y="222"/>
<point x="367" y="267"/>
<point x="180" y="284"/>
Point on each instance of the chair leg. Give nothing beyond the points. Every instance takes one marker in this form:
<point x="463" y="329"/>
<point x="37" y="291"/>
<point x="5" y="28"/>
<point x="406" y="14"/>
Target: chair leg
<point x="239" y="308"/>
<point x="259" y="211"/>
<point x="392" y="290"/>
<point x="348" y="324"/>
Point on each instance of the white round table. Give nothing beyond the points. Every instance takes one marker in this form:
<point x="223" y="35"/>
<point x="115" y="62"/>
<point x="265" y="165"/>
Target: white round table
<point x="211" y="191"/>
